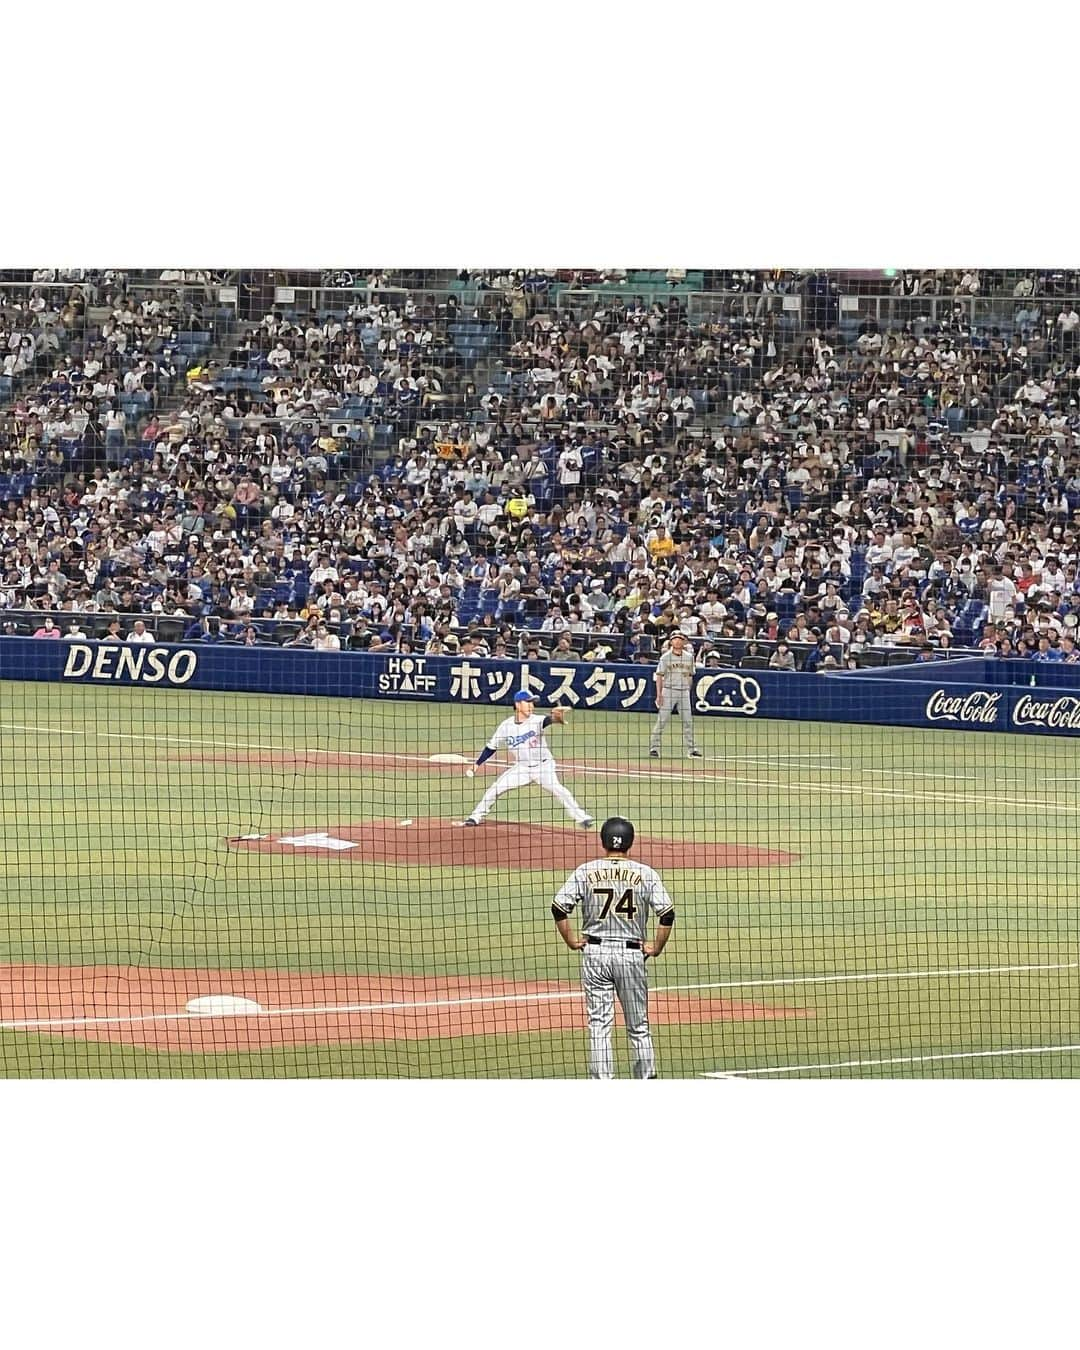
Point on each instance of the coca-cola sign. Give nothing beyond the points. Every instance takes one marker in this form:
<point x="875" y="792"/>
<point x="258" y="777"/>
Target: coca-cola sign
<point x="1059" y="714"/>
<point x="979" y="707"/>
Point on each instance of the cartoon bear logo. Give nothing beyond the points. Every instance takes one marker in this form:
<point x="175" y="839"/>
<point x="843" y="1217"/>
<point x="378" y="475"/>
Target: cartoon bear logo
<point x="727" y="693"/>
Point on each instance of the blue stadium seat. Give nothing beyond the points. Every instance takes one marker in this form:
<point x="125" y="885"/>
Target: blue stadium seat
<point x="785" y="604"/>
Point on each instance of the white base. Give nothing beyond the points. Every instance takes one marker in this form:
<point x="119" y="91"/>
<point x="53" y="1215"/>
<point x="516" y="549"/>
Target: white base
<point x="217" y="1005"/>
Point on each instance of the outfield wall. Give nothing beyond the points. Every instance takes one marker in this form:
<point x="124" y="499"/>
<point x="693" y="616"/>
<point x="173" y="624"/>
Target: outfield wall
<point x="967" y="698"/>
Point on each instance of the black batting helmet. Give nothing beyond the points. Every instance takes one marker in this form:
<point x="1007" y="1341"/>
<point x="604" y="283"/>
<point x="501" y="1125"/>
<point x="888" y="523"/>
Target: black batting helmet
<point x="617" y="834"/>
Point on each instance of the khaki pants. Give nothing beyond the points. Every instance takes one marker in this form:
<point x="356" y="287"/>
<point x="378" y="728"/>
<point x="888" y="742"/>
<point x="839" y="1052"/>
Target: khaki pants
<point x="668" y="704"/>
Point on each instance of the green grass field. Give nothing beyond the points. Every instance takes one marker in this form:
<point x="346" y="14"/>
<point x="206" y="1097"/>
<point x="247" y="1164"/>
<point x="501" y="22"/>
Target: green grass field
<point x="928" y="863"/>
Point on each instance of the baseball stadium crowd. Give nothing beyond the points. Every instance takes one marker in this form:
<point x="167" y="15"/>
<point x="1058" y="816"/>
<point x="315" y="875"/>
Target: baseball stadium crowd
<point x="520" y="466"/>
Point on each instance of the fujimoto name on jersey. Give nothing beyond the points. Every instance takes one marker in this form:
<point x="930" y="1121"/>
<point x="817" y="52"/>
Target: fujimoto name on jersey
<point x="615" y="897"/>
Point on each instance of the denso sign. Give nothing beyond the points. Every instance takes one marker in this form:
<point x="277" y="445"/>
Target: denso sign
<point x="129" y="662"/>
<point x="979" y="707"/>
<point x="1060" y="714"/>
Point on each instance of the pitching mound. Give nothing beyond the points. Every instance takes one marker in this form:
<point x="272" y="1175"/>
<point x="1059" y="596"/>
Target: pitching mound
<point x="217" y="1011"/>
<point x="541" y="848"/>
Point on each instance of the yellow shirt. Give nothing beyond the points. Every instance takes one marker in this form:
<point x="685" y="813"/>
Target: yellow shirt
<point x="662" y="548"/>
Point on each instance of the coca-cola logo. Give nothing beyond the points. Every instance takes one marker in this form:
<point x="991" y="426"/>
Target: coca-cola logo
<point x="979" y="707"/>
<point x="1061" y="714"/>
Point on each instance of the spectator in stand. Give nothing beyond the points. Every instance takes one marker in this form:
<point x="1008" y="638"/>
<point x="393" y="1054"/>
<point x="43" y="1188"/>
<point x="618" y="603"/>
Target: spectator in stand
<point x="48" y="628"/>
<point x="325" y="641"/>
<point x="1045" y="651"/>
<point x="115" y="425"/>
<point x="926" y="504"/>
<point x="783" y="658"/>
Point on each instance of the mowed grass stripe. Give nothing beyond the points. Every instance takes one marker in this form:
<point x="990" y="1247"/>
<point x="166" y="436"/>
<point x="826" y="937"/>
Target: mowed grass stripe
<point x="648" y="771"/>
<point x="888" y="879"/>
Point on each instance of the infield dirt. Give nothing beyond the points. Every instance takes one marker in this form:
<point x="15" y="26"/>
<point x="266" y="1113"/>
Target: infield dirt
<point x="134" y="1005"/>
<point x="444" y="843"/>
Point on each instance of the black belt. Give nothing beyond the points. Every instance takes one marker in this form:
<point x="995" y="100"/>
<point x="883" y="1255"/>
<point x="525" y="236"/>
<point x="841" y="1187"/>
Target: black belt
<point x="632" y="943"/>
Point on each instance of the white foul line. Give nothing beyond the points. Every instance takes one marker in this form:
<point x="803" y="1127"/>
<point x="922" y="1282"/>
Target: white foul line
<point x="878" y="975"/>
<point x="318" y="1010"/>
<point x="604" y="770"/>
<point x="899" y="1059"/>
<point x="647" y="773"/>
<point x="330" y="1010"/>
<point x="51" y="731"/>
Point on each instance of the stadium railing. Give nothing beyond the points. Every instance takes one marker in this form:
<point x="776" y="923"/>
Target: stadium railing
<point x="171" y="629"/>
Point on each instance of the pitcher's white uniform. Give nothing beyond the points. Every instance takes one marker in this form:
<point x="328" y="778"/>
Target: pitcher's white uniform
<point x="532" y="762"/>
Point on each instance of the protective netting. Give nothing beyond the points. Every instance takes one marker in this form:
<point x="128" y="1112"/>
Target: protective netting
<point x="851" y="898"/>
<point x="278" y="549"/>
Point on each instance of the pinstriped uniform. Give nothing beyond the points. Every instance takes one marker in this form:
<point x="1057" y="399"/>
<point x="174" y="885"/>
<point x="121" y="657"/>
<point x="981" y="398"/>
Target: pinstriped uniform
<point x="677" y="673"/>
<point x="616" y="896"/>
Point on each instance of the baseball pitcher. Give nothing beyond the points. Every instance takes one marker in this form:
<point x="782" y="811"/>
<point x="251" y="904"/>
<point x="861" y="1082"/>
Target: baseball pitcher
<point x="531" y="761"/>
<point x="616" y="896"/>
<point x="674" y="680"/>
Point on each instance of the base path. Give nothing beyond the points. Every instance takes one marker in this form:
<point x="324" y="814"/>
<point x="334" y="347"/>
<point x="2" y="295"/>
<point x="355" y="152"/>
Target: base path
<point x="133" y="1005"/>
<point x="501" y="844"/>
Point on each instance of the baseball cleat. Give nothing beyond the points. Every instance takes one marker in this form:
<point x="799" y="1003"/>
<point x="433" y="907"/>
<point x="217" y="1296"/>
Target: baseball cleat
<point x="694" y="754"/>
<point x="469" y="821"/>
<point x="654" y="754"/>
<point x="587" y="823"/>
